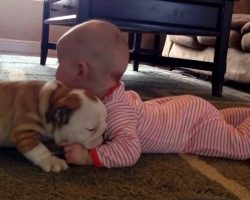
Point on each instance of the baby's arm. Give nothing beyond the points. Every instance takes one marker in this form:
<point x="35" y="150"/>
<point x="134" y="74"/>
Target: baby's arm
<point x="119" y="152"/>
<point x="121" y="147"/>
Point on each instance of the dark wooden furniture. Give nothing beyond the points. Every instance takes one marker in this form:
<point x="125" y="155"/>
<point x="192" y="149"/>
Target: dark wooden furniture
<point x="190" y="17"/>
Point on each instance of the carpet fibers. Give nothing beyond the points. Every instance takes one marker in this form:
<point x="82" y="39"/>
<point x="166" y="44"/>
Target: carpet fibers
<point x="155" y="176"/>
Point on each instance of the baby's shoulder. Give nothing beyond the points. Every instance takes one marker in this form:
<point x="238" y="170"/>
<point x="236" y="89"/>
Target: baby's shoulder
<point x="125" y="98"/>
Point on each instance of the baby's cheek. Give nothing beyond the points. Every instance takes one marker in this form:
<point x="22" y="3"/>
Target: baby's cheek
<point x="64" y="78"/>
<point x="58" y="74"/>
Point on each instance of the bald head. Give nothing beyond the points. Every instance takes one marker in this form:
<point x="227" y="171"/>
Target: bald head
<point x="92" y="55"/>
<point x="98" y="43"/>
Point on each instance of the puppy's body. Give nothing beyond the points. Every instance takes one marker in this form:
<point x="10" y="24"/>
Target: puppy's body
<point x="30" y="109"/>
<point x="18" y="103"/>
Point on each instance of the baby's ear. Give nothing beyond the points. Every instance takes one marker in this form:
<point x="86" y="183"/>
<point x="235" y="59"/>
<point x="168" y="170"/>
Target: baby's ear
<point x="82" y="69"/>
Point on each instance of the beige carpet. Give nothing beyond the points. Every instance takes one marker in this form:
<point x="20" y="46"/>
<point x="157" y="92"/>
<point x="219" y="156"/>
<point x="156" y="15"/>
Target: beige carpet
<point x="155" y="176"/>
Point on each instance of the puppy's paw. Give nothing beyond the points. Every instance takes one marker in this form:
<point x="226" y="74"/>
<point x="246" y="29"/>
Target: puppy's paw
<point x="42" y="157"/>
<point x="53" y="164"/>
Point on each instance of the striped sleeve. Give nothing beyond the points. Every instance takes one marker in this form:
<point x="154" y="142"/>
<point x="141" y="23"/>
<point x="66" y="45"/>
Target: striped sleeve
<point x="122" y="146"/>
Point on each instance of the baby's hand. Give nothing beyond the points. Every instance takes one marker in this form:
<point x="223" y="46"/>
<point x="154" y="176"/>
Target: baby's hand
<point x="75" y="153"/>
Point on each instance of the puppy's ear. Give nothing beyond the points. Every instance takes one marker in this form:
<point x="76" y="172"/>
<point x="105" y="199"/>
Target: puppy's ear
<point x="61" y="110"/>
<point x="58" y="115"/>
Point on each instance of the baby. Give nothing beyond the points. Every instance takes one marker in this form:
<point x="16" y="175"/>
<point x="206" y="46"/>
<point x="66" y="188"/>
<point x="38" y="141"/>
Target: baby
<point x="94" y="55"/>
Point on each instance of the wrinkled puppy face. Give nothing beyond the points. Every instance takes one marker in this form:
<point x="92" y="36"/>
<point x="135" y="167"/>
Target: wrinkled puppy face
<point x="79" y="117"/>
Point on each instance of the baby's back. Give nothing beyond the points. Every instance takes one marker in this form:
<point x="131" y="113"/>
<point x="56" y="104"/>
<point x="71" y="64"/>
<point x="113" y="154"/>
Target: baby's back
<point x="166" y="124"/>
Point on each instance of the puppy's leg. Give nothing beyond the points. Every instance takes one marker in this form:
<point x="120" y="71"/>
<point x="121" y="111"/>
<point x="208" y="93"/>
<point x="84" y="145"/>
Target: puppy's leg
<point x="27" y="142"/>
<point x="42" y="157"/>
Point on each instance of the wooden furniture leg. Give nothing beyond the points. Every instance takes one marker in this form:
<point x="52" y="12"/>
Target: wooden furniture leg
<point x="136" y="49"/>
<point x="221" y="49"/>
<point x="45" y="34"/>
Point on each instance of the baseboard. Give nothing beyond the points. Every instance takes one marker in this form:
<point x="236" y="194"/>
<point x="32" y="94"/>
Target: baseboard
<point x="21" y="47"/>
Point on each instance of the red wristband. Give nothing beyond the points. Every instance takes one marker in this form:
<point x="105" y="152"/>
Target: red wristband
<point x="95" y="158"/>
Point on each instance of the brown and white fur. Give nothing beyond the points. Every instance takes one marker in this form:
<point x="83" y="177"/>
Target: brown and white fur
<point x="31" y="109"/>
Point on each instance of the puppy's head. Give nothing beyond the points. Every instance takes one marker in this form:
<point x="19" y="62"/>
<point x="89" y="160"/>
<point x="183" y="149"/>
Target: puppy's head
<point x="77" y="116"/>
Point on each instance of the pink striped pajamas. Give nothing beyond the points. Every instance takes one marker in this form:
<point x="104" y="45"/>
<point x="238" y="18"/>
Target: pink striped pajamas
<point x="180" y="124"/>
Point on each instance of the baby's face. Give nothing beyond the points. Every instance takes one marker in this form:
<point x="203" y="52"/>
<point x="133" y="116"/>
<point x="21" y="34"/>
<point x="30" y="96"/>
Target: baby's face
<point x="67" y="68"/>
<point x="63" y="73"/>
<point x="66" y="72"/>
<point x="101" y="54"/>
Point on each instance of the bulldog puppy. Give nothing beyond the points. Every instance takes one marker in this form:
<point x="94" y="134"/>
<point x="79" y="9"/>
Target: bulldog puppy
<point x="31" y="109"/>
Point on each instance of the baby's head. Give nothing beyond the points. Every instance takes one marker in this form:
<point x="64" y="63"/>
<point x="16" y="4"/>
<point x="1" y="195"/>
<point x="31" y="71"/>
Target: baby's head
<point x="92" y="55"/>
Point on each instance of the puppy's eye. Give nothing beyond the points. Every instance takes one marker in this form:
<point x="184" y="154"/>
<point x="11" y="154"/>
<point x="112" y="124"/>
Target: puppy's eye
<point x="91" y="129"/>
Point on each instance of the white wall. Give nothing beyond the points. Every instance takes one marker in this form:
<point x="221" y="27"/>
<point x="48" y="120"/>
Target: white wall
<point x="21" y="26"/>
<point x="21" y="23"/>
